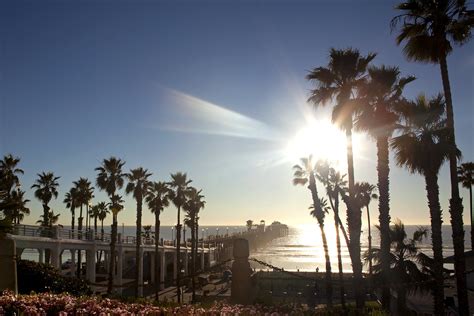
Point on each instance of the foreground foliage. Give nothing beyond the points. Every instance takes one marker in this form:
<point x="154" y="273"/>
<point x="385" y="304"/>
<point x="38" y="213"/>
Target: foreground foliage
<point x="39" y="277"/>
<point x="64" y="304"/>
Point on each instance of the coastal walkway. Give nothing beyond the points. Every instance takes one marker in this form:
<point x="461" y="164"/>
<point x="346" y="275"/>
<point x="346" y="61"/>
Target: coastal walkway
<point x="90" y="252"/>
<point x="96" y="247"/>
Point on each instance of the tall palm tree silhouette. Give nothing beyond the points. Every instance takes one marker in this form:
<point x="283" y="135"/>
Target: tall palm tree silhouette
<point x="84" y="191"/>
<point x="422" y="148"/>
<point x="102" y="215"/>
<point x="157" y="199"/>
<point x="46" y="188"/>
<point x="429" y="30"/>
<point x="380" y="96"/>
<point x="138" y="185"/>
<point x="192" y="207"/>
<point x="71" y="200"/>
<point x="304" y="174"/>
<point x="110" y="178"/>
<point x="179" y="185"/>
<point x="364" y="194"/>
<point x="339" y="81"/>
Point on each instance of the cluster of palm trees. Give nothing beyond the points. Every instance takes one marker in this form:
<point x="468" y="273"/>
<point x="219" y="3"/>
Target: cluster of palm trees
<point x="309" y="173"/>
<point x="110" y="178"/>
<point x="420" y="132"/>
<point x="12" y="198"/>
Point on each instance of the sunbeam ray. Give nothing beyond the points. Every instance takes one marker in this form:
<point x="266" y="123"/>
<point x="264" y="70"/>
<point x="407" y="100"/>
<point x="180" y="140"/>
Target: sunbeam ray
<point x="204" y="117"/>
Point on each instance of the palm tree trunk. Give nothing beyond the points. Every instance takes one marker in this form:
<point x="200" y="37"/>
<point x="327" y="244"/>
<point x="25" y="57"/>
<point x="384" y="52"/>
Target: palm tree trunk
<point x="472" y="219"/>
<point x="73" y="215"/>
<point x="47" y="231"/>
<point x="339" y="257"/>
<point x="46" y="214"/>
<point x="79" y="228"/>
<point x="338" y="219"/>
<point x="197" y="242"/>
<point x="113" y="240"/>
<point x="316" y="204"/>
<point x="455" y="203"/>
<point x="383" y="171"/>
<point x="431" y="180"/>
<point x="193" y="259"/>
<point x="157" y="255"/>
<point x="87" y="216"/>
<point x="178" y="256"/>
<point x="370" y="243"/>
<point x="102" y="230"/>
<point x="138" y="242"/>
<point x="328" y="266"/>
<point x="354" y="222"/>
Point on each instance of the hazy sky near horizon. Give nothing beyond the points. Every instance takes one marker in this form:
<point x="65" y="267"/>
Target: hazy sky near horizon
<point x="212" y="88"/>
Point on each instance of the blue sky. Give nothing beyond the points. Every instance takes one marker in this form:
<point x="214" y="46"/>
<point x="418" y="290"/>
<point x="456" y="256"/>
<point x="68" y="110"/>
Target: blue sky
<point x="212" y="88"/>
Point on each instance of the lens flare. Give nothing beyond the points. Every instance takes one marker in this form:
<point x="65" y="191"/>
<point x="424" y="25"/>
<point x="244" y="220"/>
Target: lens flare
<point x="318" y="138"/>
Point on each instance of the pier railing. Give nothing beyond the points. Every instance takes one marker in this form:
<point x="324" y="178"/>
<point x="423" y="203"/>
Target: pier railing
<point x="59" y="232"/>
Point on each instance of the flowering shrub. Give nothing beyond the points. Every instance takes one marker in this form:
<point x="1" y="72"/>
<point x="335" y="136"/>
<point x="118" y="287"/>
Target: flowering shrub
<point x="63" y="304"/>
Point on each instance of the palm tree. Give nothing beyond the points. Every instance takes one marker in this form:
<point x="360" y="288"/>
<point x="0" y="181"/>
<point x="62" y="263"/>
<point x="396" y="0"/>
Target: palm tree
<point x="46" y="189"/>
<point x="15" y="206"/>
<point x="466" y="178"/>
<point x="364" y="194"/>
<point x="110" y="179"/>
<point x="304" y="174"/>
<point x="380" y="95"/>
<point x="95" y="213"/>
<point x="157" y="199"/>
<point x="84" y="193"/>
<point x="11" y="201"/>
<point x="49" y="220"/>
<point x="422" y="148"/>
<point x="192" y="207"/>
<point x="429" y="30"/>
<point x="319" y="213"/>
<point x="345" y="72"/>
<point x="103" y="211"/>
<point x="335" y="185"/>
<point x="179" y="185"/>
<point x="407" y="264"/>
<point x="138" y="185"/>
<point x="9" y="173"/>
<point x="71" y="200"/>
<point x="249" y="224"/>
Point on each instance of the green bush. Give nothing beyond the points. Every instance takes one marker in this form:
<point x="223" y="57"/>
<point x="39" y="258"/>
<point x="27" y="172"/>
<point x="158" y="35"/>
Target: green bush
<point x="38" y="277"/>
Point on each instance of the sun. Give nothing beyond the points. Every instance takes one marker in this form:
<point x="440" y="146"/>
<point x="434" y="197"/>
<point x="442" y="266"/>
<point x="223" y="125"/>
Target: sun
<point x="319" y="138"/>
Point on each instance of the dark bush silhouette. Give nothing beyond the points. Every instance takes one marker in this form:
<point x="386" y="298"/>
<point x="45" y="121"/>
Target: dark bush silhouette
<point x="39" y="277"/>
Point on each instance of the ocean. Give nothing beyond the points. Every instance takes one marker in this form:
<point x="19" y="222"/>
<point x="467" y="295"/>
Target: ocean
<point x="301" y="250"/>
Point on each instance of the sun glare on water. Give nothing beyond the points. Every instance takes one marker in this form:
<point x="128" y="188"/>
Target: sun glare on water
<point x="319" y="138"/>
